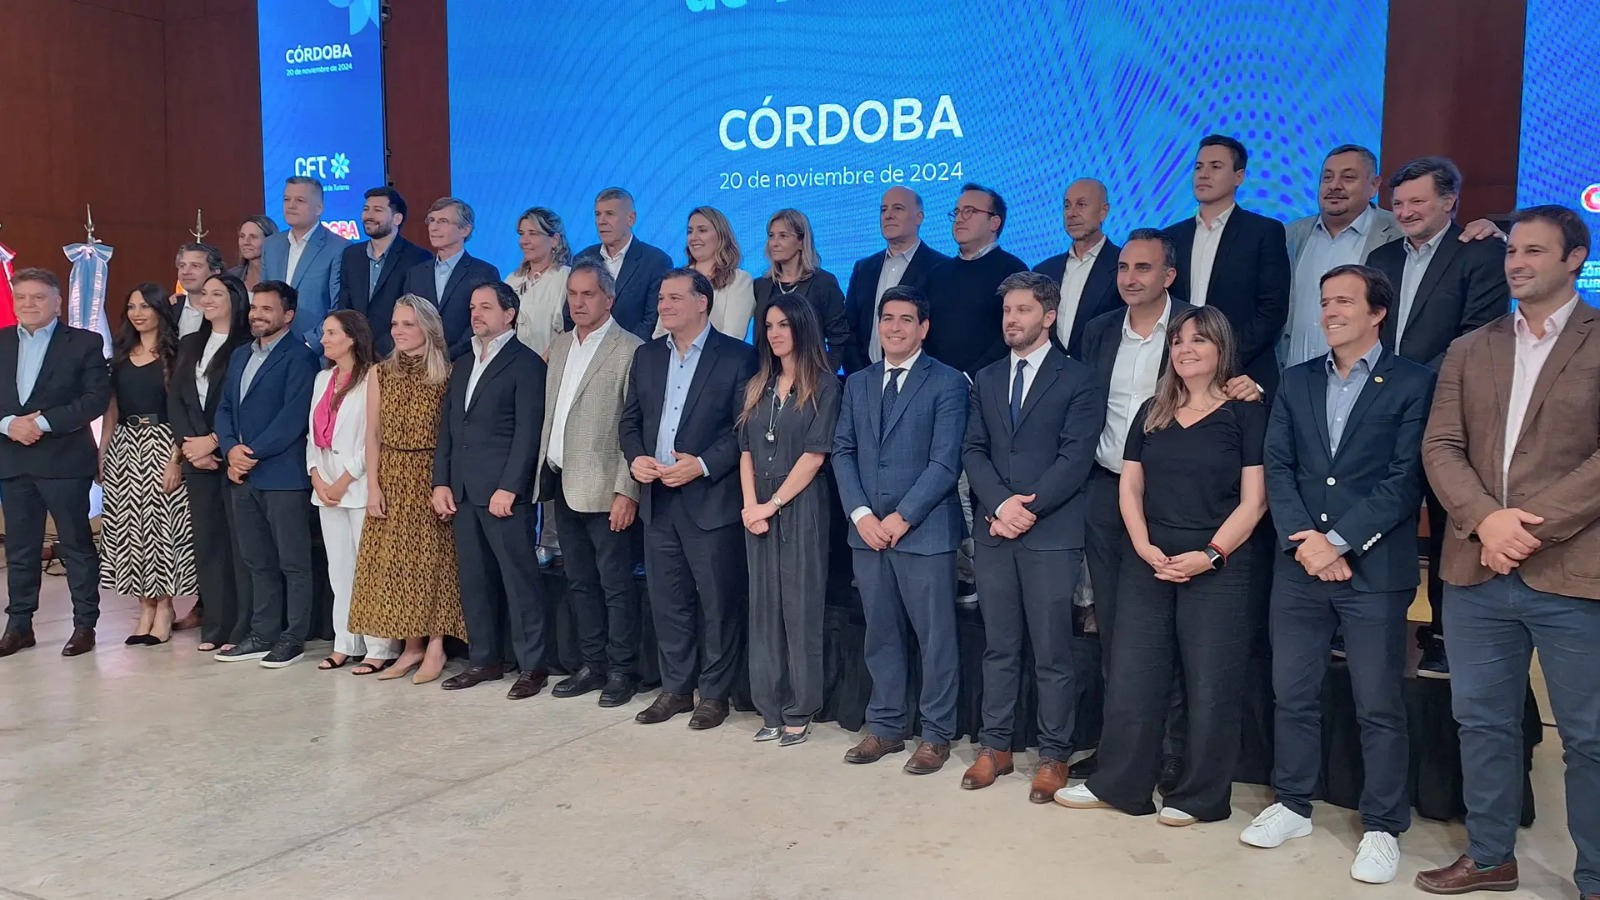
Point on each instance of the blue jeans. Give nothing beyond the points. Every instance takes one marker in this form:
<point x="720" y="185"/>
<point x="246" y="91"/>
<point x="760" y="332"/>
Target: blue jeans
<point x="1493" y="629"/>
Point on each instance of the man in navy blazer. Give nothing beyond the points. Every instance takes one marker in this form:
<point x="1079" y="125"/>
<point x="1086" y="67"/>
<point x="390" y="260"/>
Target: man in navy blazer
<point x="897" y="458"/>
<point x="373" y="272"/>
<point x="1032" y="429"/>
<point x="448" y="280"/>
<point x="636" y="266"/>
<point x="261" y="432"/>
<point x="1344" y="478"/>
<point x="906" y="261"/>
<point x="306" y="257"/>
<point x="1087" y="272"/>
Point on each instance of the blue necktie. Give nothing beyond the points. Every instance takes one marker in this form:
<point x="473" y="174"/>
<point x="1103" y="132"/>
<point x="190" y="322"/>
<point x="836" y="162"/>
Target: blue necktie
<point x="1016" y="393"/>
<point x="891" y="393"/>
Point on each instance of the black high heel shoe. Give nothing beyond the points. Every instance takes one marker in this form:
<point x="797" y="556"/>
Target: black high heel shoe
<point x="141" y="640"/>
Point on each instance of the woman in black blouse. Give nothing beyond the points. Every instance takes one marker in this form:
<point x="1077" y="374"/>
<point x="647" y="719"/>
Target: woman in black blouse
<point x="1192" y="491"/>
<point x="797" y="270"/>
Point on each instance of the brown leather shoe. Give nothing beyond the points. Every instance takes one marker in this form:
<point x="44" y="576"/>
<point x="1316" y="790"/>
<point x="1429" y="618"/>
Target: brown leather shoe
<point x="1051" y="777"/>
<point x="191" y="619"/>
<point x="709" y="714"/>
<point x="81" y="642"/>
<point x="528" y="684"/>
<point x="1463" y="877"/>
<point x="989" y="765"/>
<point x="928" y="759"/>
<point x="473" y="677"/>
<point x="873" y="748"/>
<point x="12" y="641"/>
<point x="666" y="706"/>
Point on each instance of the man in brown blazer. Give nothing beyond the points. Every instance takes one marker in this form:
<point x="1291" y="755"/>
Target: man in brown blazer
<point x="1513" y="452"/>
<point x="581" y="468"/>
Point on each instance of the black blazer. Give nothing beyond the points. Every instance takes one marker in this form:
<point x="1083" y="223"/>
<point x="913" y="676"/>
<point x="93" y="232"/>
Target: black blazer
<point x="73" y="389"/>
<point x="185" y="413"/>
<point x="1371" y="489"/>
<point x="490" y="444"/>
<point x="821" y="290"/>
<point x="1099" y="294"/>
<point x="638" y="286"/>
<point x="455" y="308"/>
<point x="860" y="298"/>
<point x="1463" y="289"/>
<point x="401" y="258"/>
<point x="1050" y="453"/>
<point x="1103" y="336"/>
<point x="705" y="427"/>
<point x="1249" y="283"/>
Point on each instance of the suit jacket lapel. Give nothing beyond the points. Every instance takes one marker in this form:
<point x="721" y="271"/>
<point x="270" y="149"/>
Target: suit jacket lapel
<point x="1101" y="276"/>
<point x="1042" y="381"/>
<point x="1446" y="252"/>
<point x="457" y="275"/>
<point x="630" y="265"/>
<point x="391" y="262"/>
<point x="500" y="361"/>
<point x="1226" y="244"/>
<point x="52" y="358"/>
<point x="999" y="393"/>
<point x="1567" y="344"/>
<point x="315" y="241"/>
<point x="875" y="392"/>
<point x="608" y="346"/>
<point x="1317" y="391"/>
<point x="8" y="360"/>
<point x="272" y="360"/>
<point x="1502" y="365"/>
<point x="1377" y="381"/>
<point x="909" y="384"/>
<point x="702" y="370"/>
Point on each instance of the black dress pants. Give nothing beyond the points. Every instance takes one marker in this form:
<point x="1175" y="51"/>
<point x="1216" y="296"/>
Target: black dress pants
<point x="500" y="586"/>
<point x="698" y="594"/>
<point x="600" y="585"/>
<point x="224" y="579"/>
<point x="273" y="529"/>
<point x="66" y="500"/>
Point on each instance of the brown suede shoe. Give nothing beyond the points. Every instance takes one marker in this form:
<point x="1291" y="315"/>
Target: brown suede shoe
<point x="873" y="748"/>
<point x="81" y="642"/>
<point x="989" y="765"/>
<point x="1051" y="777"/>
<point x="928" y="759"/>
<point x="1463" y="877"/>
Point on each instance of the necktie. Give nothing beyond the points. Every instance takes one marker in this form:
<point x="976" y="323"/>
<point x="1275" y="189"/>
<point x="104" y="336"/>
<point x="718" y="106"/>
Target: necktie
<point x="891" y="393"/>
<point x="1016" y="393"/>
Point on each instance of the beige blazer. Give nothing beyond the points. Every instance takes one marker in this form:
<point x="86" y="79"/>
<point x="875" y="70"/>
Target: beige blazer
<point x="1555" y="468"/>
<point x="594" y="469"/>
<point x="349" y="450"/>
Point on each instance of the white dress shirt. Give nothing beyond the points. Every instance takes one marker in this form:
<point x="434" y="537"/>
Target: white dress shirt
<point x="544" y="302"/>
<point x="1323" y="252"/>
<point x="905" y="369"/>
<point x="1073" y="281"/>
<point x="1203" y="256"/>
<point x="894" y="269"/>
<point x="979" y="254"/>
<point x="579" y="356"/>
<point x="1411" y="280"/>
<point x="1029" y="372"/>
<point x="1532" y="353"/>
<point x="297" y="249"/>
<point x="482" y="356"/>
<point x="202" y="384"/>
<point x="189" y="316"/>
<point x="1133" y="381"/>
<point x="614" y="263"/>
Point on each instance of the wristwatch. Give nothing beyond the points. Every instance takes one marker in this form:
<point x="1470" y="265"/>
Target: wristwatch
<point x="1218" y="560"/>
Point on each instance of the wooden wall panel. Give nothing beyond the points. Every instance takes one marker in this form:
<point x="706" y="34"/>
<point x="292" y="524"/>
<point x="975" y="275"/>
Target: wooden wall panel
<point x="417" y="106"/>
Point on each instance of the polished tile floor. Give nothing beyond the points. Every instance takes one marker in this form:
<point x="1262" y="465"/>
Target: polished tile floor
<point x="157" y="773"/>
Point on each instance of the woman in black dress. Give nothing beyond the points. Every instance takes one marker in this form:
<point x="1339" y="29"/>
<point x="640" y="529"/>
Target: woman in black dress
<point x="1192" y="491"/>
<point x="146" y="541"/>
<point x="785" y="435"/>
<point x="796" y="270"/>
<point x="197" y="379"/>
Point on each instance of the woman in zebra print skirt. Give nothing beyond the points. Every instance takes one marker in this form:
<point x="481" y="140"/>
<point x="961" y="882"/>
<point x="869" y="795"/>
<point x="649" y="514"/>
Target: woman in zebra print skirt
<point x="146" y="539"/>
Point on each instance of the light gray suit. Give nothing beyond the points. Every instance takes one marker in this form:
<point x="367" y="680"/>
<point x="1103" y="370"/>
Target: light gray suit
<point x="594" y="469"/>
<point x="1386" y="229"/>
<point x="316" y="277"/>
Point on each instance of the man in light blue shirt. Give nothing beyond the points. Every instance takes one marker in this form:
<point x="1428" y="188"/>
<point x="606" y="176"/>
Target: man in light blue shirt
<point x="680" y="374"/>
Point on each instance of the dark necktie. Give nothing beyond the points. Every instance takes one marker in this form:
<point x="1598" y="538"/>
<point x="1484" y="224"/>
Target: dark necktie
<point x="1016" y="393"/>
<point x="891" y="393"/>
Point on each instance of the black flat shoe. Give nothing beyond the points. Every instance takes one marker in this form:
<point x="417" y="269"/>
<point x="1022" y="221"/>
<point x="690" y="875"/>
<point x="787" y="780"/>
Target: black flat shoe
<point x="142" y="640"/>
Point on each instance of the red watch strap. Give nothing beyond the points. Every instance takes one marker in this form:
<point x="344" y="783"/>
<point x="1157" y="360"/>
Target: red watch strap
<point x="1220" y="551"/>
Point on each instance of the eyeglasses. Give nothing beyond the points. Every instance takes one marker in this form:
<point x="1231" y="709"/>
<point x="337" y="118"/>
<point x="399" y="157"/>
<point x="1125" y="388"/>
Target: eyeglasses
<point x="967" y="212"/>
<point x="439" y="220"/>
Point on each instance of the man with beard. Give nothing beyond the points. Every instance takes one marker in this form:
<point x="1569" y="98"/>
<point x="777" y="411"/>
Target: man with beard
<point x="374" y="271"/>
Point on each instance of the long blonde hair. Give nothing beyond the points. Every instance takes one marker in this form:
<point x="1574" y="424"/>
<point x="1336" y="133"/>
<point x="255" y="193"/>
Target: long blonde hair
<point x="436" y="362"/>
<point x="729" y="256"/>
<point x="797" y="222"/>
<point x="1171" y="392"/>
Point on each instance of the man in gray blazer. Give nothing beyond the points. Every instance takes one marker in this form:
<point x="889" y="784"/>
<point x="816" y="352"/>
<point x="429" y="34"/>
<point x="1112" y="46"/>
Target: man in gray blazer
<point x="582" y="469"/>
<point x="897" y="457"/>
<point x="306" y="257"/>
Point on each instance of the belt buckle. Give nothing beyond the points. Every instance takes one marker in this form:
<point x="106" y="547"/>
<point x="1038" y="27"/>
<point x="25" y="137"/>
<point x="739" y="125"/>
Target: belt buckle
<point x="142" y="420"/>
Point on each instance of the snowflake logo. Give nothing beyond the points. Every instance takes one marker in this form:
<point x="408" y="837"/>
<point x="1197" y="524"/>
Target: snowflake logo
<point x="362" y="12"/>
<point x="340" y="165"/>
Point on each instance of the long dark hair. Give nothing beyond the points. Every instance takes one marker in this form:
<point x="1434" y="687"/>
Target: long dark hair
<point x="360" y="334"/>
<point x="268" y="229"/>
<point x="810" y="360"/>
<point x="238" y="330"/>
<point x="166" y="329"/>
<point x="1171" y="392"/>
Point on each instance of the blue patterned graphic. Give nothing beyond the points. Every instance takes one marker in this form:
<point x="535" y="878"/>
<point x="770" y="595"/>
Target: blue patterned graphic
<point x="755" y="105"/>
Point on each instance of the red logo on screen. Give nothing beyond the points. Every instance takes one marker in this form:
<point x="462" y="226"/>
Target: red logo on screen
<point x="1591" y="198"/>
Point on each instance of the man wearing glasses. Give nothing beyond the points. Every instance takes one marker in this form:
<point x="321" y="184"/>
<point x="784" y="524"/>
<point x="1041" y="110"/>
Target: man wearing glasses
<point x="448" y="280"/>
<point x="962" y="300"/>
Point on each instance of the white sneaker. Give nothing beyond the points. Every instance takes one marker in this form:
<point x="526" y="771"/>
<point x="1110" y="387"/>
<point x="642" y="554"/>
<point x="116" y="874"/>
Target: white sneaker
<point x="1377" y="859"/>
<point x="1276" y="824"/>
<point x="1177" y="818"/>
<point x="1078" y="796"/>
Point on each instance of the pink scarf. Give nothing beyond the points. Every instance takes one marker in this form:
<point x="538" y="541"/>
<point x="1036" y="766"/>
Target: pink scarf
<point x="324" y="416"/>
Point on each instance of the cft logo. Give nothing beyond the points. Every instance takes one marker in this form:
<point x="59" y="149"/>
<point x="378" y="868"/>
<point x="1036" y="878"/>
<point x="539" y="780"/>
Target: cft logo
<point x="1590" y="198"/>
<point x="322" y="167"/>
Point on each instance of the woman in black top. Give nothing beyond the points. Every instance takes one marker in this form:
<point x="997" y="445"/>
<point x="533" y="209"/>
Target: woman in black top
<point x="796" y="270"/>
<point x="197" y="379"/>
<point x="146" y="541"/>
<point x="1192" y="491"/>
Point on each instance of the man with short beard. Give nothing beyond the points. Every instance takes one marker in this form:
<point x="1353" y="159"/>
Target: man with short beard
<point x="374" y="271"/>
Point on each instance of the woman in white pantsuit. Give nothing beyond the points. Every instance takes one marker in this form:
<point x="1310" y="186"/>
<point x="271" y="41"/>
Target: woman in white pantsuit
<point x="336" y="458"/>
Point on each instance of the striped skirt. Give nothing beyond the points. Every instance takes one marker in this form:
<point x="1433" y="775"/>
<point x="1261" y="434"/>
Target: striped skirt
<point x="146" y="538"/>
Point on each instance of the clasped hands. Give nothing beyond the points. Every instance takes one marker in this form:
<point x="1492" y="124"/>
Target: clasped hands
<point x="25" y="430"/>
<point x="1012" y="519"/>
<point x="687" y="468"/>
<point x="1505" y="539"/>
<point x="881" y="534"/>
<point x="1317" y="555"/>
<point x="1176" y="569"/>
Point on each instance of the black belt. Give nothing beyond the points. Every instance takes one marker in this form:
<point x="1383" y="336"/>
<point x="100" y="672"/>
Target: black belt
<point x="143" y="419"/>
<point x="1102" y="470"/>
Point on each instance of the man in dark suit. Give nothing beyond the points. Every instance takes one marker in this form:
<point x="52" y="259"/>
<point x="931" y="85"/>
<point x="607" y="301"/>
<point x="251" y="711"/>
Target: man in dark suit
<point x="306" y="257"/>
<point x="1344" y="478"/>
<point x="483" y="483"/>
<point x="636" y="266"/>
<point x="685" y="392"/>
<point x="897" y="457"/>
<point x="1087" y="272"/>
<point x="48" y="459"/>
<point x="1032" y="428"/>
<point x="373" y="272"/>
<point x="1446" y="288"/>
<point x="449" y="279"/>
<point x="1234" y="259"/>
<point x="261" y="432"/>
<point x="906" y="261"/>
